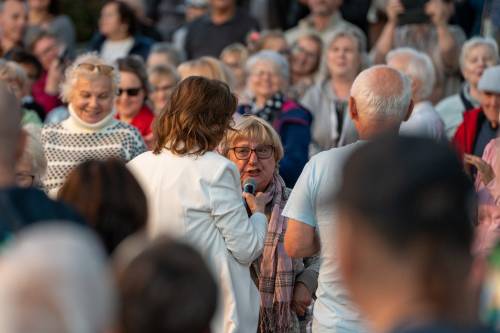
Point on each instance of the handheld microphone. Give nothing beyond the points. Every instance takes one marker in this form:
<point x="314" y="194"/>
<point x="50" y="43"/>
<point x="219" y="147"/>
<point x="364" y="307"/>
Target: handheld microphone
<point x="250" y="186"/>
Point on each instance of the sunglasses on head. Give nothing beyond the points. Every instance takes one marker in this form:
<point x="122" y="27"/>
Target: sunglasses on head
<point x="129" y="91"/>
<point x="105" y="69"/>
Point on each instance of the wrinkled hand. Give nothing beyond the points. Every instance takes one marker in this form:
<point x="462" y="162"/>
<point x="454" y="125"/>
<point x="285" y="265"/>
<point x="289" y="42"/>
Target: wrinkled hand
<point x="485" y="170"/>
<point x="393" y="9"/>
<point x="302" y="298"/>
<point x="439" y="12"/>
<point x="256" y="203"/>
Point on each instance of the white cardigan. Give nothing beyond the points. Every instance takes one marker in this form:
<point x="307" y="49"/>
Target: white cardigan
<point x="199" y="200"/>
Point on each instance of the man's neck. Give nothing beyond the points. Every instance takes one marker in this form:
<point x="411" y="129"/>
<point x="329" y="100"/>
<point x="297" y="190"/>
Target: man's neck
<point x="376" y="128"/>
<point x="222" y="15"/>
<point x="321" y="22"/>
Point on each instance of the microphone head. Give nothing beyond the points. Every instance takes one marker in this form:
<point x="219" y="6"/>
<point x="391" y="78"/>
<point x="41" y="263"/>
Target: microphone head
<point x="250" y="185"/>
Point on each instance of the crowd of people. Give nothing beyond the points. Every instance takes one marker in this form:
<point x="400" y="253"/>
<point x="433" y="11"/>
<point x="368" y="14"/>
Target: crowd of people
<point x="254" y="166"/>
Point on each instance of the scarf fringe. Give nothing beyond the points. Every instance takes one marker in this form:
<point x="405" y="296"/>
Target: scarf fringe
<point x="277" y="319"/>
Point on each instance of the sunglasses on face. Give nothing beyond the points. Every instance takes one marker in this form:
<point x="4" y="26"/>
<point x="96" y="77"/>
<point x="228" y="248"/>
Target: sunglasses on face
<point x="129" y="91"/>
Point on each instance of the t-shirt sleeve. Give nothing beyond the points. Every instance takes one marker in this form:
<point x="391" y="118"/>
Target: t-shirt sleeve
<point x="301" y="204"/>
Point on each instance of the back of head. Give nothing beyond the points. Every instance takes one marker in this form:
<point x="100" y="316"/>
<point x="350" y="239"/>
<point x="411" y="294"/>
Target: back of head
<point x="196" y="117"/>
<point x="110" y="199"/>
<point x="208" y="67"/>
<point x="167" y="288"/>
<point x="54" y="279"/>
<point x="410" y="191"/>
<point x="418" y="66"/>
<point x="10" y="126"/>
<point x="382" y="92"/>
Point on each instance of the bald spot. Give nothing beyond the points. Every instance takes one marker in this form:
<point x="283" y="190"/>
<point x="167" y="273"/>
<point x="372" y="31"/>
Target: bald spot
<point x="383" y="81"/>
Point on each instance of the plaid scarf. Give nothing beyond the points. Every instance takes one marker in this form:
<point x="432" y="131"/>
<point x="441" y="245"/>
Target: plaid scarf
<point x="276" y="279"/>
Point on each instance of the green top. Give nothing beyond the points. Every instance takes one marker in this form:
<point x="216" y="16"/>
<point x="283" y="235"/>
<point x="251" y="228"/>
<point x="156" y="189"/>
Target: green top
<point x="30" y="117"/>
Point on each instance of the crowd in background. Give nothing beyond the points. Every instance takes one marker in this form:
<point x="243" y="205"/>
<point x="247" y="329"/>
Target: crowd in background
<point x="236" y="165"/>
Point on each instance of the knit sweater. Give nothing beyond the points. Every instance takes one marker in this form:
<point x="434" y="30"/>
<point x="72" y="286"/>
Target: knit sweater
<point x="70" y="143"/>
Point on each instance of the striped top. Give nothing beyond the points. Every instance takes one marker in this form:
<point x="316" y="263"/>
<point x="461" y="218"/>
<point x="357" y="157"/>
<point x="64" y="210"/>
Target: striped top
<point x="66" y="147"/>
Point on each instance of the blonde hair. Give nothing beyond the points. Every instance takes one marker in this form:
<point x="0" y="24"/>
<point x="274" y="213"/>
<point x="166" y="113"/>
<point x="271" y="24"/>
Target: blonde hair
<point x="73" y="73"/>
<point x="207" y="67"/>
<point x="257" y="129"/>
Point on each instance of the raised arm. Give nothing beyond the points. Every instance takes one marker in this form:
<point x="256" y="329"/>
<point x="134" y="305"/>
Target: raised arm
<point x="243" y="236"/>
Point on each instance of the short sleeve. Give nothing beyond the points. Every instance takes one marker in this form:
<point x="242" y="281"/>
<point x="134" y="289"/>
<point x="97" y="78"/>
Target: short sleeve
<point x="301" y="204"/>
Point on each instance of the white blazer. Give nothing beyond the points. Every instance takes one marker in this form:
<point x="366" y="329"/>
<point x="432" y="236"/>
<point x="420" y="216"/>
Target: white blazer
<point x="198" y="199"/>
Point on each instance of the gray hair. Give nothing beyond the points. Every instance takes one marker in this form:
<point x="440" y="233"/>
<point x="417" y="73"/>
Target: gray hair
<point x="273" y="57"/>
<point x="54" y="279"/>
<point x="170" y="51"/>
<point x="353" y="33"/>
<point x="72" y="74"/>
<point x="382" y="92"/>
<point x="33" y="152"/>
<point x="10" y="70"/>
<point x="418" y="67"/>
<point x="474" y="42"/>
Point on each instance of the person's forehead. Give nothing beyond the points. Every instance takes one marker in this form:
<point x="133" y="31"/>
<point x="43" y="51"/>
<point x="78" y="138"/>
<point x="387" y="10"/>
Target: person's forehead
<point x="12" y="7"/>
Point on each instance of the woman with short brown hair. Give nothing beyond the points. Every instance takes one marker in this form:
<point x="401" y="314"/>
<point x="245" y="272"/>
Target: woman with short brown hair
<point x="195" y="194"/>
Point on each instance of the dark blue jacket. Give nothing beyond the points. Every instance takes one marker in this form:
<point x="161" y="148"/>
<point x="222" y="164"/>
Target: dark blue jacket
<point x="21" y="207"/>
<point x="142" y="45"/>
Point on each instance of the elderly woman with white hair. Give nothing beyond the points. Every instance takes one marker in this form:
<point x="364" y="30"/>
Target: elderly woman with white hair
<point x="424" y="120"/>
<point x="268" y="77"/>
<point x="345" y="56"/>
<point x="478" y="53"/>
<point x="91" y="131"/>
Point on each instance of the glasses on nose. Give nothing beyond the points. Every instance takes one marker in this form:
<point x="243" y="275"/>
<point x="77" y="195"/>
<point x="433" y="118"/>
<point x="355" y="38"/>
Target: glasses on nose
<point x="129" y="91"/>
<point x="104" y="69"/>
<point x="263" y="152"/>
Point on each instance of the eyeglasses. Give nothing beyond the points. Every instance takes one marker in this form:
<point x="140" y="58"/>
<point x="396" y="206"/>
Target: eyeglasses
<point x="299" y="49"/>
<point x="263" y="152"/>
<point x="104" y="69"/>
<point x="129" y="91"/>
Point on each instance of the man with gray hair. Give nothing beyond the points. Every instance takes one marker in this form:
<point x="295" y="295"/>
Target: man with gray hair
<point x="380" y="100"/>
<point x="20" y="206"/>
<point x="424" y="120"/>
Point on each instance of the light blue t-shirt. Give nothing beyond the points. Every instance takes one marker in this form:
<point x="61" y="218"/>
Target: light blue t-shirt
<point x="311" y="202"/>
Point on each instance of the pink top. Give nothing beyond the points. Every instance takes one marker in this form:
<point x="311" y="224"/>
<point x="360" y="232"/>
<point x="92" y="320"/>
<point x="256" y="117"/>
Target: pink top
<point x="48" y="102"/>
<point x="488" y="230"/>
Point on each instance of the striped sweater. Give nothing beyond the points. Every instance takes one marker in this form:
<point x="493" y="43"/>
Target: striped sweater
<point x="66" y="146"/>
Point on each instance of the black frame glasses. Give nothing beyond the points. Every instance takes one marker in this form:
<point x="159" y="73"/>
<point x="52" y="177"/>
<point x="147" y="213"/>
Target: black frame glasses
<point x="263" y="152"/>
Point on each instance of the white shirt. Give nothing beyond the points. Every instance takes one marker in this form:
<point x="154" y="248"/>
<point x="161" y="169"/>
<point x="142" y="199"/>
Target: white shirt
<point x="424" y="121"/>
<point x="112" y="50"/>
<point x="198" y="199"/>
<point x="311" y="203"/>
